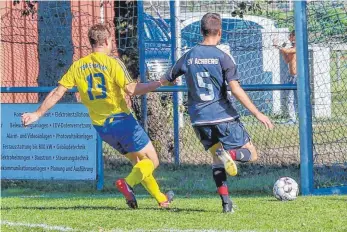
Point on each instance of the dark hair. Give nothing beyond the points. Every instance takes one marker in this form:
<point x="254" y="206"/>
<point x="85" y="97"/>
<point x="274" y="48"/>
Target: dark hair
<point x="211" y="23"/>
<point x="293" y="32"/>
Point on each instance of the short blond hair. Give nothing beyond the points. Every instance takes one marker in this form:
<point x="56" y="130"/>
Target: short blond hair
<point x="98" y="33"/>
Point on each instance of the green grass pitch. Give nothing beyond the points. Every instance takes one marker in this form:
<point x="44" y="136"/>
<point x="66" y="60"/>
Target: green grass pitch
<point x="42" y="206"/>
<point x="108" y="212"/>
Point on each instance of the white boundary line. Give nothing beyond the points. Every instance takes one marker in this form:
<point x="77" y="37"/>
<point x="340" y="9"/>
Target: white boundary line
<point x="63" y="228"/>
<point x="43" y="226"/>
<point x="194" y="230"/>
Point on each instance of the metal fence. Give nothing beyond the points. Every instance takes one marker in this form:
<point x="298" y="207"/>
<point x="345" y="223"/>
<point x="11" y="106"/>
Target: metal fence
<point x="166" y="30"/>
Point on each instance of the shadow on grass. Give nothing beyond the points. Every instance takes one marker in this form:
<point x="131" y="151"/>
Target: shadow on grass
<point x="175" y="210"/>
<point x="184" y="180"/>
<point x="272" y="200"/>
<point x="337" y="199"/>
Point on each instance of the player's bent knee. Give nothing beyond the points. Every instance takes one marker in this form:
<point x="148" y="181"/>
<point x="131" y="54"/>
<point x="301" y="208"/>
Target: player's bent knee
<point x="246" y="153"/>
<point x="254" y="156"/>
<point x="154" y="160"/>
<point x="148" y="152"/>
<point x="151" y="154"/>
<point x="153" y="157"/>
<point x="156" y="163"/>
<point x="253" y="151"/>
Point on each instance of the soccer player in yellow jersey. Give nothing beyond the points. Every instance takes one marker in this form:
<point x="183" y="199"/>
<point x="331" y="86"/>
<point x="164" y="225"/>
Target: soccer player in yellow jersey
<point x="103" y="83"/>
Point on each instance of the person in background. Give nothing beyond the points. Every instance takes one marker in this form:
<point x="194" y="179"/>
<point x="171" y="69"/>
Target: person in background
<point x="289" y="56"/>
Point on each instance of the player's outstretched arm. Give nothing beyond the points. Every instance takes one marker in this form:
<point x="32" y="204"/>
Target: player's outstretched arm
<point x="133" y="88"/>
<point x="52" y="98"/>
<point x="241" y="95"/>
<point x="168" y="79"/>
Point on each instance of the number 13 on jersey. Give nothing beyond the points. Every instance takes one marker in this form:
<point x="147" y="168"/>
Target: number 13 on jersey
<point x="99" y="87"/>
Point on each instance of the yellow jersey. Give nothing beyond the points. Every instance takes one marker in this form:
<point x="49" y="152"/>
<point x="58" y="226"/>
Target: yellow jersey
<point x="100" y="80"/>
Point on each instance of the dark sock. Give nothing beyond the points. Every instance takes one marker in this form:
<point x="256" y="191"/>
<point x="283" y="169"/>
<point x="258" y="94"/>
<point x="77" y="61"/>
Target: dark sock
<point x="220" y="178"/>
<point x="241" y="154"/>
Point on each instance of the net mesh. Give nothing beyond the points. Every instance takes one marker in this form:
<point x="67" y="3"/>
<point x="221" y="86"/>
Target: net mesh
<point x="250" y="38"/>
<point x="35" y="53"/>
<point x="250" y="41"/>
<point x="329" y="83"/>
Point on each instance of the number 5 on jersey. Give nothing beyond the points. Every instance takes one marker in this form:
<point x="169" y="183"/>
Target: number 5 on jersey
<point x="99" y="87"/>
<point x="206" y="87"/>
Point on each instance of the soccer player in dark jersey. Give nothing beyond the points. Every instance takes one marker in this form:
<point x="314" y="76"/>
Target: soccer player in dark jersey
<point x="208" y="70"/>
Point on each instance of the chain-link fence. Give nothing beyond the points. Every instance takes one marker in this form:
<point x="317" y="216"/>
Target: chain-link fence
<point x="36" y="54"/>
<point x="250" y="41"/>
<point x="40" y="40"/>
<point x="328" y="42"/>
<point x="249" y="33"/>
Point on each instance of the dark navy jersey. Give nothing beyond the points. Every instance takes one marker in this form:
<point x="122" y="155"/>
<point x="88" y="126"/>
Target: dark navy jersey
<point x="207" y="71"/>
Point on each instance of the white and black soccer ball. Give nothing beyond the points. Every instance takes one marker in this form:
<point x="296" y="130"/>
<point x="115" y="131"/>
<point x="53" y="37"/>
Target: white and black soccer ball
<point x="286" y="189"/>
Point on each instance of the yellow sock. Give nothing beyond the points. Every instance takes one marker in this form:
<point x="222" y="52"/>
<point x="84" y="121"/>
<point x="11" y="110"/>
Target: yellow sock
<point x="152" y="187"/>
<point x="140" y="171"/>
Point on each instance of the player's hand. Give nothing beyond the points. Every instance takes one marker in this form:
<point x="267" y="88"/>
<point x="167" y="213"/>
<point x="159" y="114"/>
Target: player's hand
<point x="265" y="120"/>
<point x="175" y="82"/>
<point x="163" y="82"/>
<point x="29" y="118"/>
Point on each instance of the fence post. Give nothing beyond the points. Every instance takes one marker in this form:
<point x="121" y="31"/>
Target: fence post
<point x="178" y="55"/>
<point x="304" y="94"/>
<point x="142" y="64"/>
<point x="100" y="164"/>
<point x="175" y="94"/>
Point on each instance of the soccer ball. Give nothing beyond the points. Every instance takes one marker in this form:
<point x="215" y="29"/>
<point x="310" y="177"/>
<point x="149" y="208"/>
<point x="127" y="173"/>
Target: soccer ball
<point x="286" y="189"/>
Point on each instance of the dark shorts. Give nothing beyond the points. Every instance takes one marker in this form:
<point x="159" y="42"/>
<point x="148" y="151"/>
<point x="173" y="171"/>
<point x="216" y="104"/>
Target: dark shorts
<point x="231" y="135"/>
<point x="123" y="133"/>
